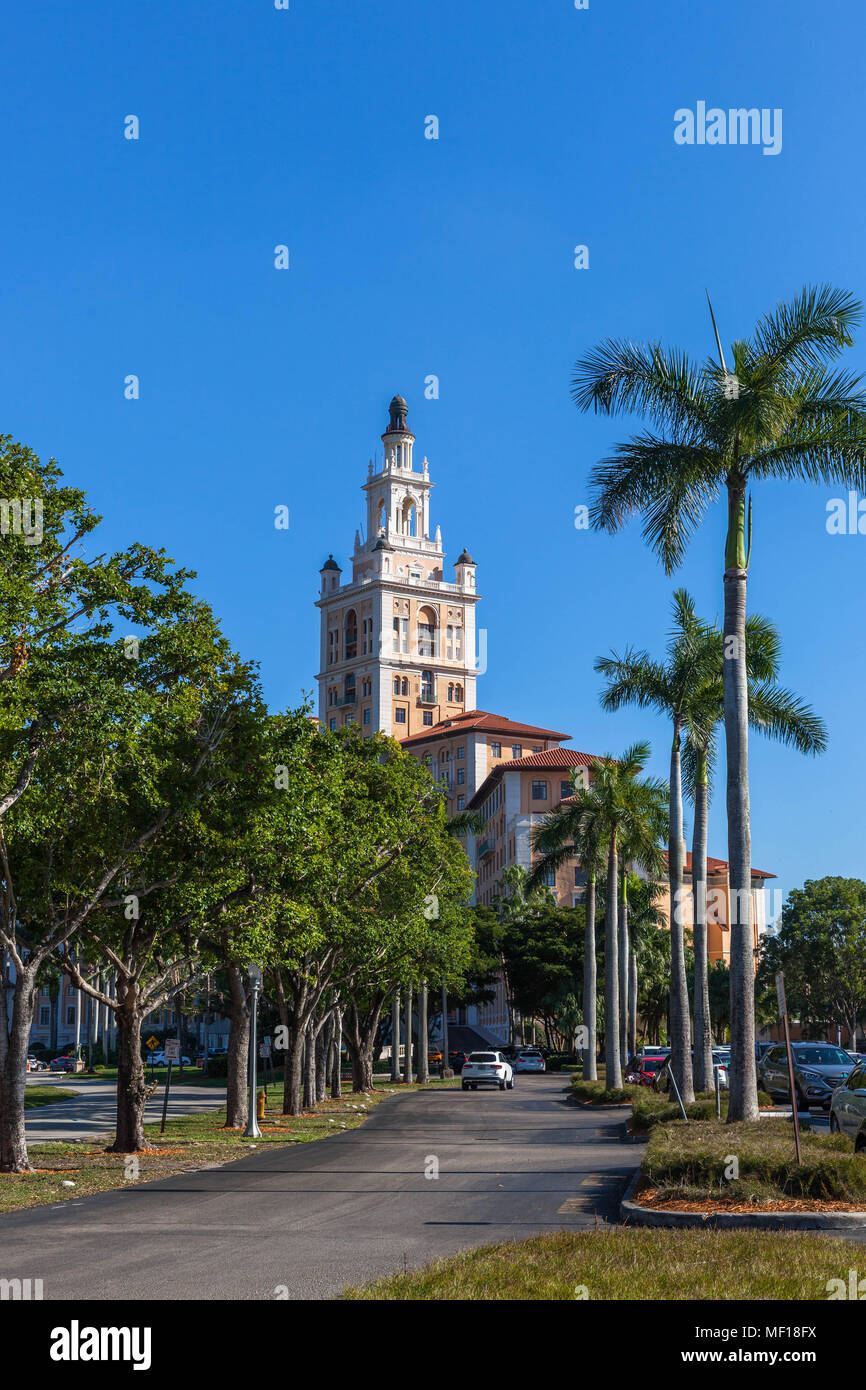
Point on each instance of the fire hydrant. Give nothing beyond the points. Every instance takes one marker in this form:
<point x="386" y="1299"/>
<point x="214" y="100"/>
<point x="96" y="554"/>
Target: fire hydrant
<point x="260" y="1104"/>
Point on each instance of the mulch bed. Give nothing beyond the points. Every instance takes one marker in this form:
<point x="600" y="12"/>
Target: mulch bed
<point x="658" y="1201"/>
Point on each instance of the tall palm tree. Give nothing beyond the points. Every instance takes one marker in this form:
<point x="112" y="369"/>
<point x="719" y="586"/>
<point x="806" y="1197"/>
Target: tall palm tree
<point x="773" y="712"/>
<point x="621" y="802"/>
<point x="644" y="918"/>
<point x="669" y="687"/>
<point x="574" y="830"/>
<point x="780" y="412"/>
<point x="640" y="847"/>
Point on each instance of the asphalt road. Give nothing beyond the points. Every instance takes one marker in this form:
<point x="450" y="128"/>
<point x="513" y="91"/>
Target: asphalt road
<point x="93" y="1112"/>
<point x="306" y="1220"/>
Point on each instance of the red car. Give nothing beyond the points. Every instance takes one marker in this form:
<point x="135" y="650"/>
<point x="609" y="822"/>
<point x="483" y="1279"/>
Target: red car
<point x="642" y="1071"/>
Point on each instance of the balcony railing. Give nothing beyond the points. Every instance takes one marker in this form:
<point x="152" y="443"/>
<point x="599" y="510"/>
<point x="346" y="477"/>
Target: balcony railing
<point x="349" y="697"/>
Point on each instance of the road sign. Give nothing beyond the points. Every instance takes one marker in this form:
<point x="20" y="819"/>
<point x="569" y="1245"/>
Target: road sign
<point x="265" y="1047"/>
<point x="780" y="994"/>
<point x="152" y="1043"/>
<point x="172" y="1049"/>
<point x="795" y="1099"/>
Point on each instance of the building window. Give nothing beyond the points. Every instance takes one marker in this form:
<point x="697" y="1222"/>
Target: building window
<point x="549" y="878"/>
<point x="401" y="634"/>
<point x="496" y="750"/>
<point x="450" y="692"/>
<point x="70" y="1014"/>
<point x="461" y="803"/>
<point x="565" y="789"/>
<point x="399" y="716"/>
<point x="351" y="634"/>
<point x="461" y="776"/>
<point x="366" y="716"/>
<point x="332" y="724"/>
<point x="516" y="750"/>
<point x="458" y="692"/>
<point x="461" y="752"/>
<point x="579" y="878"/>
<point x="539" y="791"/>
<point x="536" y="747"/>
<point x="333" y="646"/>
<point x="44" y="1015"/>
<point x="427" y="717"/>
<point x="427" y="686"/>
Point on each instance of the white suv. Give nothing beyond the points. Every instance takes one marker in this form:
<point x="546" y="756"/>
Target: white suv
<point x="487" y="1069"/>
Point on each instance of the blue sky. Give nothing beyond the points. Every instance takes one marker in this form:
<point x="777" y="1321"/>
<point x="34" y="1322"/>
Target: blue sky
<point x="412" y="257"/>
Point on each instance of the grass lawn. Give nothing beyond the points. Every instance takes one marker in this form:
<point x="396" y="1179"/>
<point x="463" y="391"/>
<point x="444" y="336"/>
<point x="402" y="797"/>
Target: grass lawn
<point x="190" y="1142"/>
<point x="750" y="1164"/>
<point x="631" y="1263"/>
<point x="37" y="1096"/>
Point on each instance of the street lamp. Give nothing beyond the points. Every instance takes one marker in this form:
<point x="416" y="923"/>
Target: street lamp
<point x="252" y="1130"/>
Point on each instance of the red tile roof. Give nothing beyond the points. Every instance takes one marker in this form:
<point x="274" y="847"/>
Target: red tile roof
<point x="482" y="720"/>
<point x="717" y="866"/>
<point x="560" y="758"/>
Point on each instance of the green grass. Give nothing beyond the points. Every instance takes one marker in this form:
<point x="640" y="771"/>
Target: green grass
<point x="688" y="1161"/>
<point x="599" y="1093"/>
<point x="190" y="1142"/>
<point x="651" y="1107"/>
<point x="37" y="1096"/>
<point x="632" y="1263"/>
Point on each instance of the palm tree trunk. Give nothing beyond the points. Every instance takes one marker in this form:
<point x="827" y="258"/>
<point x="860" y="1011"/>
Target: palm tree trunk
<point x="743" y="1096"/>
<point x="680" y="1031"/>
<point x="632" y="1000"/>
<point x="422" y="1064"/>
<point x="395" y="1036"/>
<point x="613" y="1070"/>
<point x="701" y="1006"/>
<point x="590" y="1070"/>
<point x="623" y="969"/>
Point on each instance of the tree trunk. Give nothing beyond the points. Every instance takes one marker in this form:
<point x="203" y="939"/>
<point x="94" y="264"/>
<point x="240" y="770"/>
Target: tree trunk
<point x="407" y="1057"/>
<point x="423" y="1062"/>
<point x="360" y="1034"/>
<point x="590" y="1068"/>
<point x="445" y="1047"/>
<point x="293" y="1078"/>
<point x="336" y="1076"/>
<point x="131" y="1081"/>
<point x="743" y="1095"/>
<point x="323" y="1047"/>
<point x="310" y="1034"/>
<point x="632" y="1000"/>
<point x="395" y="1036"/>
<point x="701" y="1004"/>
<point x="680" y="1033"/>
<point x="613" y="1070"/>
<point x="14" y="1039"/>
<point x="623" y="968"/>
<point x="237" y="1098"/>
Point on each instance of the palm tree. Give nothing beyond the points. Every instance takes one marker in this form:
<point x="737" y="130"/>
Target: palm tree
<point x="641" y="849"/>
<point x="644" y="919"/>
<point x="669" y="687"/>
<point x="574" y="830"/>
<point x="781" y="412"/>
<point x="621" y="802"/>
<point x="774" y="712"/>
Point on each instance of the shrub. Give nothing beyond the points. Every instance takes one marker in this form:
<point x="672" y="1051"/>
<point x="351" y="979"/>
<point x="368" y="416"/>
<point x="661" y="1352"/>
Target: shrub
<point x="598" y="1093"/>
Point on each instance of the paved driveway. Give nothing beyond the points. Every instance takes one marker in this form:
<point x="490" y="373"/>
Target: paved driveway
<point x="93" y="1112"/>
<point x="311" y="1218"/>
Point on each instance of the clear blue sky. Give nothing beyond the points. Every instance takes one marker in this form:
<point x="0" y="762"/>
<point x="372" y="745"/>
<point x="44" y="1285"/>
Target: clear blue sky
<point x="411" y="256"/>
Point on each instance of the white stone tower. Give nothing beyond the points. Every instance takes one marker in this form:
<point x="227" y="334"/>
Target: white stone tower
<point x="398" y="641"/>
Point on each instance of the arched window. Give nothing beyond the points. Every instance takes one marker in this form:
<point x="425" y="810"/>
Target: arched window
<point x="450" y="691"/>
<point x="426" y="632"/>
<point x="427" y="687"/>
<point x="382" y="513"/>
<point x="351" y="647"/>
<point x="409" y="517"/>
<point x="349" y="690"/>
<point x="458" y="692"/>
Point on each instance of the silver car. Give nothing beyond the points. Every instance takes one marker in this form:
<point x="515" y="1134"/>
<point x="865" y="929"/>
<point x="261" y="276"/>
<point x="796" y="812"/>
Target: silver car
<point x="529" y="1059"/>
<point x="848" y="1108"/>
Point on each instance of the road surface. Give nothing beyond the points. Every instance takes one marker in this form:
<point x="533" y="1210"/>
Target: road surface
<point x="93" y="1112"/>
<point x="306" y="1220"/>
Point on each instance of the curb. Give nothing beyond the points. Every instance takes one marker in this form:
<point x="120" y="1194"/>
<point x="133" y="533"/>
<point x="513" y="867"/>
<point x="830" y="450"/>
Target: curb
<point x="632" y="1214"/>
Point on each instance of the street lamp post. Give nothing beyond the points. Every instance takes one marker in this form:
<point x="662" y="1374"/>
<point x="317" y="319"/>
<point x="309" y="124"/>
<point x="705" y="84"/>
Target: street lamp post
<point x="252" y="1130"/>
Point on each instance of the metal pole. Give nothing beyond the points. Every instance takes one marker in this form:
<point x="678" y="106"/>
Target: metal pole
<point x="252" y="1130"/>
<point x="718" y="1087"/>
<point x="673" y="1081"/>
<point x="794" y="1106"/>
<point x="446" y="1065"/>
<point x="165" y="1099"/>
<point x="395" y="1036"/>
<point x="407" y="1041"/>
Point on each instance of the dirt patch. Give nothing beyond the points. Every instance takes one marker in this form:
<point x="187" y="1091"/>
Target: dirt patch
<point x="659" y="1201"/>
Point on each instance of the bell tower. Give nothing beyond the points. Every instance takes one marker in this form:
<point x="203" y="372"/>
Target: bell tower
<point x="398" y="641"/>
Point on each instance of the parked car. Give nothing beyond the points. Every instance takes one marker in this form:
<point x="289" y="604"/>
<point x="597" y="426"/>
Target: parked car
<point x="818" y="1069"/>
<point x="158" y="1060"/>
<point x="722" y="1060"/>
<point x="642" y="1070"/>
<point x="457" y="1059"/>
<point x="35" y="1064"/>
<point x="529" y="1059"/>
<point x="434" y="1055"/>
<point x="848" y="1107"/>
<point x="487" y="1069"/>
<point x="62" y="1064"/>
